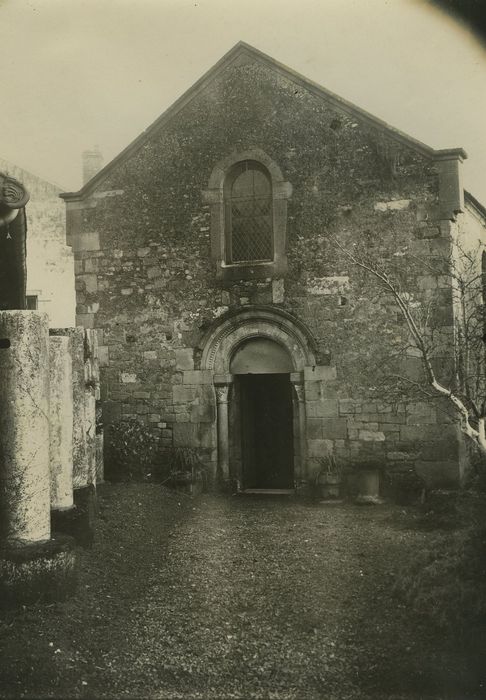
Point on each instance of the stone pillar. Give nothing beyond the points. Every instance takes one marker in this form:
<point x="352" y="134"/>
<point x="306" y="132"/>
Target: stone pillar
<point x="82" y="521"/>
<point x="299" y="387"/>
<point x="80" y="461"/>
<point x="91" y="393"/>
<point x="33" y="566"/>
<point x="24" y="427"/>
<point x="100" y="470"/>
<point x="61" y="422"/>
<point x="222" y="387"/>
<point x="369" y="487"/>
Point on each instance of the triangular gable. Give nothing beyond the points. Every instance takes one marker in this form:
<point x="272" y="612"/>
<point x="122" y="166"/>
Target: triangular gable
<point x="241" y="49"/>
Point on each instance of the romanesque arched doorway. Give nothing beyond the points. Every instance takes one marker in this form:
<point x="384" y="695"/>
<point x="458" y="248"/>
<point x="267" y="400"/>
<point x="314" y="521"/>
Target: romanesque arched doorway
<point x="261" y="430"/>
<point x="257" y="358"/>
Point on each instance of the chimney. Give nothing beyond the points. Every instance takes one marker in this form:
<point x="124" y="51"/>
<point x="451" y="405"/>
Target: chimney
<point x="92" y="163"/>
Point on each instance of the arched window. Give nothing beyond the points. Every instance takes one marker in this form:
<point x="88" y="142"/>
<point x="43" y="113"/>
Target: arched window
<point x="248" y="214"/>
<point x="247" y="198"/>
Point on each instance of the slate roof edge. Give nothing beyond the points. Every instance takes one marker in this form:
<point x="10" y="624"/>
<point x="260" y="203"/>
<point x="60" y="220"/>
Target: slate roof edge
<point x="475" y="203"/>
<point x="239" y="49"/>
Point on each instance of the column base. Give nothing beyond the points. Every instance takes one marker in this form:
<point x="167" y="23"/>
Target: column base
<point x="79" y="521"/>
<point x="39" y="572"/>
<point x="369" y="488"/>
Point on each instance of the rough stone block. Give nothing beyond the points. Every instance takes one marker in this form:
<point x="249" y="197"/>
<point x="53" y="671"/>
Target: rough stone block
<point x="89" y="281"/>
<point x="85" y="320"/>
<point x="322" y="409"/>
<point x="319" y="372"/>
<point x="153" y="272"/>
<point x="425" y="419"/>
<point x="314" y="429"/>
<point x="347" y="406"/>
<point x="278" y="291"/>
<point x="319" y="448"/>
<point x="183" y="417"/>
<point x="371" y="435"/>
<point x="427" y="282"/>
<point x="86" y="240"/>
<point x="183" y="394"/>
<point x="438" y="473"/>
<point x="204" y="413"/>
<point x="45" y="571"/>
<point x="185" y="435"/>
<point x="197" y="376"/>
<point x="334" y="429"/>
<point x="313" y="391"/>
<point x="184" y="358"/>
<point x="91" y="265"/>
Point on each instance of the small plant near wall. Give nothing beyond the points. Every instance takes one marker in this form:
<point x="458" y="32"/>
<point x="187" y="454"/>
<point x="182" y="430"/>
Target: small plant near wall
<point x="182" y="468"/>
<point x="131" y="449"/>
<point x="328" y="479"/>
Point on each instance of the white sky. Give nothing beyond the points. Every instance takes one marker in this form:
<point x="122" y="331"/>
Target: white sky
<point x="74" y="73"/>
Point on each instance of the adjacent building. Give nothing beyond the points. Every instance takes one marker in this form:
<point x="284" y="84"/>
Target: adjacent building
<point x="50" y="262"/>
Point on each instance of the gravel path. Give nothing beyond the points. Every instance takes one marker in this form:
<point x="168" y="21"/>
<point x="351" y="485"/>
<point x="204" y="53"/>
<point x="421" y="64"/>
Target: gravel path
<point x="232" y="597"/>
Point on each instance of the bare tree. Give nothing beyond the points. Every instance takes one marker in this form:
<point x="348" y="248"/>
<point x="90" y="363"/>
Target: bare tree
<point x="464" y="389"/>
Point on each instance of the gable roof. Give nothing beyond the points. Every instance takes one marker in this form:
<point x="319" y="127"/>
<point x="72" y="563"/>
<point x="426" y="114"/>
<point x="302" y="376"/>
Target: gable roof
<point x="243" y="49"/>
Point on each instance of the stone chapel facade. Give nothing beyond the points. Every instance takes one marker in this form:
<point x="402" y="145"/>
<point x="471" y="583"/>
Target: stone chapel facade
<point x="227" y="317"/>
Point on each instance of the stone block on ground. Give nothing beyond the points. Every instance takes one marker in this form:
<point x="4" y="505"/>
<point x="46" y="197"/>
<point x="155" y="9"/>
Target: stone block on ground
<point x="38" y="572"/>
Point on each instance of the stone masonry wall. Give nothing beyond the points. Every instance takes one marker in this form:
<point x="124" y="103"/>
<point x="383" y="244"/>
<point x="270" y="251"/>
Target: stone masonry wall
<point x="146" y="282"/>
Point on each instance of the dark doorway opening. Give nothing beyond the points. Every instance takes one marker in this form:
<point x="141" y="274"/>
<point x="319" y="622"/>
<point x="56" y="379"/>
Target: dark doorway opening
<point x="266" y="431"/>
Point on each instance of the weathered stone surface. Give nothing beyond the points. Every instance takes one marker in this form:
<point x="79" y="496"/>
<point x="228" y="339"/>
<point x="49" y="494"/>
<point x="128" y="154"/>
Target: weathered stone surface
<point x="24" y="428"/>
<point x="319" y="448"/>
<point x="326" y="408"/>
<point x="154" y="289"/>
<point x="184" y="358"/>
<point x="438" y="472"/>
<point x="334" y="429"/>
<point x="61" y="421"/>
<point x="318" y="373"/>
<point x="371" y="435"/>
<point x="41" y="571"/>
<point x="80" y="455"/>
<point x="196" y="377"/>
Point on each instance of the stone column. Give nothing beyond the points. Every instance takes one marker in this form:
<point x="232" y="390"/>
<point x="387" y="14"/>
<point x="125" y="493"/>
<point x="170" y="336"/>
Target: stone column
<point x="80" y="461"/>
<point x="222" y="388"/>
<point x="369" y="487"/>
<point x="81" y="522"/>
<point x="91" y="393"/>
<point x="61" y="422"/>
<point x="24" y="427"/>
<point x="299" y="387"/>
<point x="33" y="566"/>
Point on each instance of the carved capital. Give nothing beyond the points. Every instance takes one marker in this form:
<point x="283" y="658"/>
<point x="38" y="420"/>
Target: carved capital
<point x="300" y="391"/>
<point x="222" y="392"/>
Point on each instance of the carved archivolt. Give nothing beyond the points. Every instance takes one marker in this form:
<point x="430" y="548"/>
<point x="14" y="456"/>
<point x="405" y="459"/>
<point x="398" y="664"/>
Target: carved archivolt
<point x="256" y="322"/>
